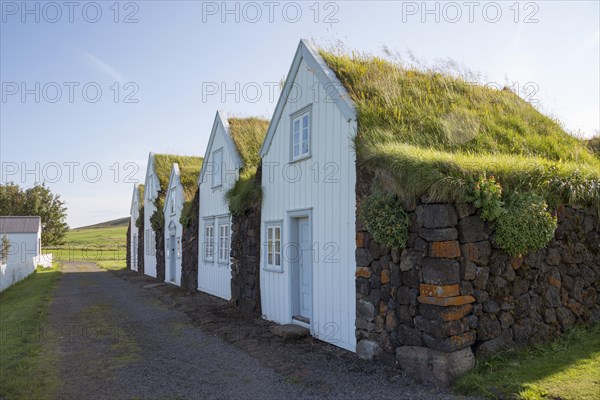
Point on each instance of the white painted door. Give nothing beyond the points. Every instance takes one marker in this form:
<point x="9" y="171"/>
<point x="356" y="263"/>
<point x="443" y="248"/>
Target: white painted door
<point x="305" y="265"/>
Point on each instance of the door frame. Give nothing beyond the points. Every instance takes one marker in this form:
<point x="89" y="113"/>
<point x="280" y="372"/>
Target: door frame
<point x="292" y="236"/>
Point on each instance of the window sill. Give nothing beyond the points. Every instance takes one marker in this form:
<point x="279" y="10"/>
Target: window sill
<point x="301" y="158"/>
<point x="273" y="269"/>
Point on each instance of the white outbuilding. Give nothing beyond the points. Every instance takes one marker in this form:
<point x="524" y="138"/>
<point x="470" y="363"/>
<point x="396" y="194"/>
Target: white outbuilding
<point x="308" y="230"/>
<point x="181" y="189"/>
<point x="233" y="145"/>
<point x="24" y="253"/>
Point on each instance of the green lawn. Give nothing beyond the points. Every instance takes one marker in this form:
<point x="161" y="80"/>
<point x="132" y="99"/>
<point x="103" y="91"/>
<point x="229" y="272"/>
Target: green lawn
<point x="104" y="246"/>
<point x="25" y="367"/>
<point x="568" y="368"/>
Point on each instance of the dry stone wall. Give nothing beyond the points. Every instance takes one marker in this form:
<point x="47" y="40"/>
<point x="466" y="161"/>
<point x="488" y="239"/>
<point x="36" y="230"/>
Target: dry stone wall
<point x="190" y="243"/>
<point x="452" y="294"/>
<point x="245" y="253"/>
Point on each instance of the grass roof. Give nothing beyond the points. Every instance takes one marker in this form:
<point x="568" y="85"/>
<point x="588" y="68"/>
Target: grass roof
<point x="141" y="192"/>
<point x="248" y="135"/>
<point x="425" y="132"/>
<point x="189" y="168"/>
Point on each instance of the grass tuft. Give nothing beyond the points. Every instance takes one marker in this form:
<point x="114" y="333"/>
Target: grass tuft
<point x="566" y="368"/>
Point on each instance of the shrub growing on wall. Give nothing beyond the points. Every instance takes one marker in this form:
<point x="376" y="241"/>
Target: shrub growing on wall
<point x="525" y="225"/>
<point x="487" y="194"/>
<point x="385" y="219"/>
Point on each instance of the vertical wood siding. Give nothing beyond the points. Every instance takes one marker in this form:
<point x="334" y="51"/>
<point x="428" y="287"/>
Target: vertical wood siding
<point x="327" y="185"/>
<point x="178" y="232"/>
<point x="214" y="277"/>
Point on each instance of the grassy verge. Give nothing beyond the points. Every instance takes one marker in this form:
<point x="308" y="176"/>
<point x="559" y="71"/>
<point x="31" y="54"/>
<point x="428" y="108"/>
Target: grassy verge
<point x="567" y="368"/>
<point x="25" y="369"/>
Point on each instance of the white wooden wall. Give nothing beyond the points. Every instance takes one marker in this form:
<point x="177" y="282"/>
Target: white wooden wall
<point x="150" y="189"/>
<point x="178" y="231"/>
<point x="24" y="250"/>
<point x="333" y="214"/>
<point x="213" y="277"/>
<point x="134" y="230"/>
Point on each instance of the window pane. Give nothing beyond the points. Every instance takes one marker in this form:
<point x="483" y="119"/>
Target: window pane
<point x="296" y="150"/>
<point x="305" y="122"/>
<point x="270" y="233"/>
<point x="305" y="134"/>
<point x="270" y="259"/>
<point x="277" y="233"/>
<point x="296" y="126"/>
<point x="304" y="147"/>
<point x="277" y="259"/>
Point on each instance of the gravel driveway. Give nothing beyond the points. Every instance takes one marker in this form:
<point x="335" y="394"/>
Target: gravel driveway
<point x="119" y="340"/>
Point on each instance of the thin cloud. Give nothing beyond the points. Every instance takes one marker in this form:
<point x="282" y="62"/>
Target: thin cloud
<point x="102" y="66"/>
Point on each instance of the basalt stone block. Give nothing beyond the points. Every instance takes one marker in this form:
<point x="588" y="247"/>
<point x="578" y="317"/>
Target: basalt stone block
<point x="468" y="270"/>
<point x="439" y="290"/>
<point x="447" y="301"/>
<point x="411" y="278"/>
<point x="368" y="350"/>
<point x="482" y="275"/>
<point x="553" y="257"/>
<point x="403" y="295"/>
<point x="450" y="344"/>
<point x="440" y="271"/>
<point x="471" y="229"/>
<point x="445" y="314"/>
<point x="409" y="259"/>
<point x="497" y="263"/>
<point x="409" y="336"/>
<point x="478" y="252"/>
<point x="431" y="366"/>
<point x="365" y="310"/>
<point x="447" y="249"/>
<point x="363" y="257"/>
<point x="488" y="327"/>
<point x="466" y="288"/>
<point x="491" y="347"/>
<point x="363" y="272"/>
<point x="442" y="330"/>
<point x="433" y="216"/>
<point x="438" y="235"/>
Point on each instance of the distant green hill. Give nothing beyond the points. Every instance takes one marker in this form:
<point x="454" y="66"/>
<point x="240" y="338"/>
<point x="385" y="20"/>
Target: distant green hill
<point x="108" y="224"/>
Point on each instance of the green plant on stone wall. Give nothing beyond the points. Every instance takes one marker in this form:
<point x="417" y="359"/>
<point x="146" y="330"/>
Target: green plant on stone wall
<point x="385" y="219"/>
<point x="157" y="220"/>
<point x="525" y="225"/>
<point x="487" y="195"/>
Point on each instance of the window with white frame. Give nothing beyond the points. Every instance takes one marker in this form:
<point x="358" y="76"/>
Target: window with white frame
<point x="217" y="167"/>
<point x="209" y="242"/>
<point x="301" y="135"/>
<point x="178" y="246"/>
<point x="224" y="243"/>
<point x="274" y="246"/>
<point x="172" y="200"/>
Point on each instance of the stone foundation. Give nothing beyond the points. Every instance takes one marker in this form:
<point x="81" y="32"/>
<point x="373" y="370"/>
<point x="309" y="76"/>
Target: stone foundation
<point x="160" y="255"/>
<point x="189" y="261"/>
<point x="451" y="292"/>
<point x="245" y="252"/>
<point x="140" y="248"/>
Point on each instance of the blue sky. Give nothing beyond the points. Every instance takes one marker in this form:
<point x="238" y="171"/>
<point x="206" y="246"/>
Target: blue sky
<point x="161" y="74"/>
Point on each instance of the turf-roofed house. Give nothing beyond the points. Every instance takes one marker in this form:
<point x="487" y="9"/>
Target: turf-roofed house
<point x="411" y="216"/>
<point x="227" y="187"/>
<point x="180" y="192"/>
<point x="155" y="189"/>
<point x="137" y="199"/>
